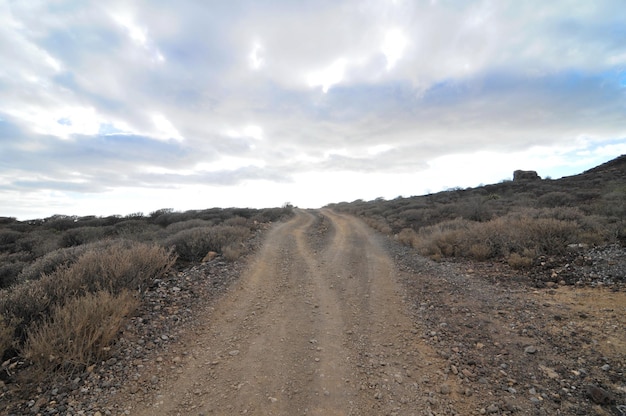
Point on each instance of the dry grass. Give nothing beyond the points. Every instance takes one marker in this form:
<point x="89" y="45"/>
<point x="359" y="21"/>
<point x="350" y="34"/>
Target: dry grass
<point x="80" y="332"/>
<point x="194" y="243"/>
<point x="115" y="268"/>
<point x="6" y="335"/>
<point x="502" y="237"/>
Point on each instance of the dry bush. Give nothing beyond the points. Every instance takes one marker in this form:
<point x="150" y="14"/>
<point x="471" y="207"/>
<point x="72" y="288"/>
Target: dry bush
<point x="7" y="331"/>
<point x="51" y="261"/>
<point x="518" y="261"/>
<point x="80" y="332"/>
<point x="378" y="224"/>
<point x="40" y="242"/>
<point x="480" y="251"/>
<point x="122" y="265"/>
<point x="83" y="235"/>
<point x="186" y="225"/>
<point x="237" y="221"/>
<point x="233" y="252"/>
<point x="193" y="244"/>
<point x="407" y="237"/>
<point x="119" y="266"/>
<point x="497" y="238"/>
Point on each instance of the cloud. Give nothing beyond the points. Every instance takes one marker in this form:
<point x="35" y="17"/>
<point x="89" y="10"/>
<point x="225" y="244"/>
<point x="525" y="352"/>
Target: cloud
<point x="99" y="97"/>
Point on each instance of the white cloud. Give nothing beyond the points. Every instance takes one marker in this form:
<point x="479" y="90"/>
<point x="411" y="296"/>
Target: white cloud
<point x="165" y="130"/>
<point x="228" y="96"/>
<point x="329" y="76"/>
<point x="255" y="57"/>
<point x="393" y="47"/>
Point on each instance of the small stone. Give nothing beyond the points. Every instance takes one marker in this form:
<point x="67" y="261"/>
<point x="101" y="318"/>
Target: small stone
<point x="234" y="353"/>
<point x="605" y="367"/>
<point x="398" y="378"/>
<point x="154" y="380"/>
<point x="378" y="395"/>
<point x="445" y="389"/>
<point x="493" y="408"/>
<point x="531" y="349"/>
<point x="599" y="395"/>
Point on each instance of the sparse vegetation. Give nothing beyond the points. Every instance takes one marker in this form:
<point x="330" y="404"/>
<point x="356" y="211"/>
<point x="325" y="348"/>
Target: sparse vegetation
<point x="67" y="283"/>
<point x="80" y="332"/>
<point x="513" y="221"/>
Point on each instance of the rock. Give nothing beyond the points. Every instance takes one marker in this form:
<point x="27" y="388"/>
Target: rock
<point x="549" y="372"/>
<point x="493" y="408"/>
<point x="531" y="349"/>
<point x="234" y="353"/>
<point x="445" y="389"/>
<point x="598" y="395"/>
<point x="209" y="256"/>
<point x="525" y="175"/>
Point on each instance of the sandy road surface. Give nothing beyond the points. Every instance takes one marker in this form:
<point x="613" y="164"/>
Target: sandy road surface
<point x="317" y="326"/>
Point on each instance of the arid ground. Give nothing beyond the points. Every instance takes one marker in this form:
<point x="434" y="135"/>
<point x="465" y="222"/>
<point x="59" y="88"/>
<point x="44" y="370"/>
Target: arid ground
<point x="332" y="318"/>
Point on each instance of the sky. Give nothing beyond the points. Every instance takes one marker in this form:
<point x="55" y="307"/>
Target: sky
<point x="117" y="107"/>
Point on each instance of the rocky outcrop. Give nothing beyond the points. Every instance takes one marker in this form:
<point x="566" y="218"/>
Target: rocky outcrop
<point x="525" y="175"/>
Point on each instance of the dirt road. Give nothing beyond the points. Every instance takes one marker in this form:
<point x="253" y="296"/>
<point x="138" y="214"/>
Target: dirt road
<point x="317" y="326"/>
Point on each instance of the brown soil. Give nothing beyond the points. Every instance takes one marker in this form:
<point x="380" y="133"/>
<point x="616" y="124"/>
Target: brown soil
<point x="329" y="320"/>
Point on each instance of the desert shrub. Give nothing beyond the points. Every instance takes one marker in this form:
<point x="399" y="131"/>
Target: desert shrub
<point x="273" y="214"/>
<point x="79" y="332"/>
<point x="407" y="237"/>
<point x="479" y="251"/>
<point x="82" y="235"/>
<point x="40" y="242"/>
<point x="60" y="222"/>
<point x="8" y="238"/>
<point x="9" y="270"/>
<point x="185" y="225"/>
<point x="233" y="252"/>
<point x="6" y="336"/>
<point x="517" y="261"/>
<point x="193" y="244"/>
<point x="51" y="261"/>
<point x="379" y="224"/>
<point x="122" y="265"/>
<point x="556" y="199"/>
<point x="497" y="238"/>
<point x="237" y="221"/>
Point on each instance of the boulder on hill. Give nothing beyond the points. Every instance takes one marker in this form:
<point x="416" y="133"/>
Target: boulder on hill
<point x="526" y="175"/>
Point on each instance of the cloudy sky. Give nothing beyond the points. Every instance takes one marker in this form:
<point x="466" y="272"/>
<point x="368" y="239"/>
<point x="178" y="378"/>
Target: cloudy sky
<point x="113" y="107"/>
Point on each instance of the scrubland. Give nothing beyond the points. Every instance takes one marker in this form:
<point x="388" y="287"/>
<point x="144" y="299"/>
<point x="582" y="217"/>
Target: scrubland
<point x="519" y="222"/>
<point x="67" y="283"/>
